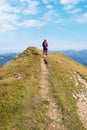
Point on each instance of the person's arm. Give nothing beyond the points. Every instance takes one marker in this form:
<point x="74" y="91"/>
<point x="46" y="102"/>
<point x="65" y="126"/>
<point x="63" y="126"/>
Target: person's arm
<point x="47" y="45"/>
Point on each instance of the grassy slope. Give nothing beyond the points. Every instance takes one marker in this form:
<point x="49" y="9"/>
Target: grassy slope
<point x="21" y="108"/>
<point x="63" y="77"/>
<point x="19" y="83"/>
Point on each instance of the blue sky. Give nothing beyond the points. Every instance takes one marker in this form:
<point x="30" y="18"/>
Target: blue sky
<point x="25" y="23"/>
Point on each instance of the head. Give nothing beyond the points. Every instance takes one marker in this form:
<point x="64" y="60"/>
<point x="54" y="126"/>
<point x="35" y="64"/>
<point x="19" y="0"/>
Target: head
<point x="45" y="39"/>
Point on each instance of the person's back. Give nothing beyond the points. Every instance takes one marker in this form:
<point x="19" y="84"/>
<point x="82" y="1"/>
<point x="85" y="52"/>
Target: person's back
<point x="45" y="47"/>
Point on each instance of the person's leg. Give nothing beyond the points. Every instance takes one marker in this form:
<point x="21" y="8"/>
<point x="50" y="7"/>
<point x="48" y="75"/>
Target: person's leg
<point x="46" y="51"/>
<point x="43" y="51"/>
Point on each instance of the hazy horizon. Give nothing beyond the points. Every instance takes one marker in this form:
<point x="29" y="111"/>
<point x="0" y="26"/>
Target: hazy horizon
<point x="54" y="50"/>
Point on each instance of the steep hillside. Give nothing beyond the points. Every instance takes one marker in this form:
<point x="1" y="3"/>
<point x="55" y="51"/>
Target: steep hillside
<point x="19" y="83"/>
<point x="66" y="77"/>
<point x="42" y="94"/>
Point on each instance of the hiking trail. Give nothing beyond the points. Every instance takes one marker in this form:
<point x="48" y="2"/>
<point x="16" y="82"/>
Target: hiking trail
<point x="54" y="113"/>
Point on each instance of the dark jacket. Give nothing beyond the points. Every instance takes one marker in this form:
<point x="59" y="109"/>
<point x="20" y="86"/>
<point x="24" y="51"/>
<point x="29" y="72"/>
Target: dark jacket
<point x="45" y="45"/>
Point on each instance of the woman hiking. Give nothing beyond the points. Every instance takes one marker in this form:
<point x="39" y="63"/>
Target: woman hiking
<point x="45" y="47"/>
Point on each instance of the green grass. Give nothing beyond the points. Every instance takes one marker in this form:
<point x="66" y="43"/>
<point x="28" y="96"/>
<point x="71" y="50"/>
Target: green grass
<point x="19" y="84"/>
<point x="21" y="107"/>
<point x="62" y="77"/>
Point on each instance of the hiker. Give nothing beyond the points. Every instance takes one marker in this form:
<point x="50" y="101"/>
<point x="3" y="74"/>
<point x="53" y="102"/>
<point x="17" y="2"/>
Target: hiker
<point x="45" y="47"/>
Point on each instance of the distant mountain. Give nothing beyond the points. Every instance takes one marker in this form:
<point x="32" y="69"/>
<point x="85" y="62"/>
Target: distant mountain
<point x="79" y="56"/>
<point x="5" y="57"/>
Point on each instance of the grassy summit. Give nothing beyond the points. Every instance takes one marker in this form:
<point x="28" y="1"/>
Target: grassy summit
<point x="19" y="83"/>
<point x="21" y="108"/>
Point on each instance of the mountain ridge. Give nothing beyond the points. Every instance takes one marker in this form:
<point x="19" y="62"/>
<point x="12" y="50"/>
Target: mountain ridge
<point x="77" y="55"/>
<point x="21" y="105"/>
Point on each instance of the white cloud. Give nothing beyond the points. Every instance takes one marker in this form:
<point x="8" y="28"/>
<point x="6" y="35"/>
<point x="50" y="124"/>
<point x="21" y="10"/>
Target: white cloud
<point x="7" y="27"/>
<point x="7" y="12"/>
<point x="10" y="16"/>
<point x="30" y="2"/>
<point x="49" y="16"/>
<point x="48" y="1"/>
<point x="85" y="15"/>
<point x="4" y="6"/>
<point x="7" y="21"/>
<point x="69" y="1"/>
<point x="5" y="17"/>
<point x="31" y="10"/>
<point x="75" y="11"/>
<point x="31" y="7"/>
<point x="16" y="9"/>
<point x="31" y="23"/>
<point x="60" y="20"/>
<point x="82" y="19"/>
<point x="49" y="6"/>
<point x="68" y="7"/>
<point x="45" y="1"/>
<point x="27" y="13"/>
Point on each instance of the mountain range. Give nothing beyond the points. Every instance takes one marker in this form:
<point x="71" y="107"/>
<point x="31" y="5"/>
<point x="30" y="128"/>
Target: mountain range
<point x="5" y="57"/>
<point x="79" y="56"/>
<point x="43" y="93"/>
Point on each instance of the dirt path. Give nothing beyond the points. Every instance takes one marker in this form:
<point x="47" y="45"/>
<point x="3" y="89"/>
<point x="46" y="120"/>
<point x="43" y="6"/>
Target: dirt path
<point x="53" y="112"/>
<point x="82" y="103"/>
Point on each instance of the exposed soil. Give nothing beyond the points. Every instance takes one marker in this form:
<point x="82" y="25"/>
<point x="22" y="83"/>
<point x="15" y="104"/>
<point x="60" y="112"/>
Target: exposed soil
<point x="82" y="103"/>
<point x="54" y="113"/>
